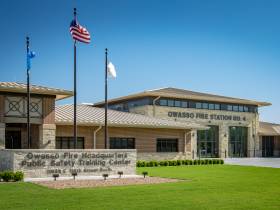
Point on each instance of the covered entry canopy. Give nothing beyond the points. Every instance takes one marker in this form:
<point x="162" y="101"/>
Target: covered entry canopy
<point x="269" y="129"/>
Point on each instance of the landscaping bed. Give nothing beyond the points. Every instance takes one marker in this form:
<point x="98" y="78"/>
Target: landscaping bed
<point x="62" y="184"/>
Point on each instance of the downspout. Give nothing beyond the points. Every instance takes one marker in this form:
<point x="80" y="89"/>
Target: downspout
<point x="154" y="105"/>
<point x="94" y="136"/>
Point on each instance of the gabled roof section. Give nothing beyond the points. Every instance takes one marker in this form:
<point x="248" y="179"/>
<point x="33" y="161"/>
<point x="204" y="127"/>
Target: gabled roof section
<point x="16" y="87"/>
<point x="92" y="116"/>
<point x="170" y="92"/>
<point x="269" y="129"/>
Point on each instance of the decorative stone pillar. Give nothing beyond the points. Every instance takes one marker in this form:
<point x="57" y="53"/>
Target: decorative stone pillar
<point x="47" y="133"/>
<point x="223" y="141"/>
<point x="194" y="144"/>
<point x="2" y="135"/>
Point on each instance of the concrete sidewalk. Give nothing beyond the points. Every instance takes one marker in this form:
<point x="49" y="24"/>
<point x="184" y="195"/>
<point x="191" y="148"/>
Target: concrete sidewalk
<point x="261" y="162"/>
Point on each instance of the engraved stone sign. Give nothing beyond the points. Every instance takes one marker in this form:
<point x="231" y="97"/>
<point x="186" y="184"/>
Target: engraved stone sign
<point x="44" y="163"/>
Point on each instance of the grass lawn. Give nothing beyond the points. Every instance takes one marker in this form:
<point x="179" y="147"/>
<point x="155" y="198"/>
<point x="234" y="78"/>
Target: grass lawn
<point x="208" y="187"/>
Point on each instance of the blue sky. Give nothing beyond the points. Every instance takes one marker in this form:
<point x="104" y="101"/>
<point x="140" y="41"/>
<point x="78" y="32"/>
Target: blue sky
<point x="230" y="48"/>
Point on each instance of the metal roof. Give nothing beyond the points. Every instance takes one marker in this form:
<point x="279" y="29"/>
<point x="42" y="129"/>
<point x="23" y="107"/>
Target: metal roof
<point x="89" y="115"/>
<point x="16" y="87"/>
<point x="269" y="129"/>
<point x="170" y="92"/>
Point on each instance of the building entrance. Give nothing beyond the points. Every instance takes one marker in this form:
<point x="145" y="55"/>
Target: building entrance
<point x="207" y="142"/>
<point x="238" y="141"/>
<point x="267" y="146"/>
<point x="13" y="140"/>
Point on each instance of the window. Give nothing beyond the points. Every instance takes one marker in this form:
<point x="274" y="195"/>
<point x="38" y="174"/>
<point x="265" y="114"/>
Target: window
<point x="170" y="102"/>
<point x="184" y="104"/>
<point x="198" y="105"/>
<point x="167" y="145"/>
<point x="235" y="108"/>
<point x="208" y="142"/>
<point x="122" y="143"/>
<point x="211" y="106"/>
<point x="229" y="107"/>
<point x="205" y="105"/>
<point x="241" y="108"/>
<point x="178" y="103"/>
<point x="246" y="109"/>
<point x="68" y="143"/>
<point x="163" y="102"/>
<point x="192" y="104"/>
<point x="217" y="107"/>
<point x="237" y="146"/>
<point x="224" y="107"/>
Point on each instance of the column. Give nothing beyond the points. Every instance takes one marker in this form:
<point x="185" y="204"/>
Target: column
<point x="47" y="134"/>
<point x="223" y="141"/>
<point x="2" y="135"/>
<point x="194" y="144"/>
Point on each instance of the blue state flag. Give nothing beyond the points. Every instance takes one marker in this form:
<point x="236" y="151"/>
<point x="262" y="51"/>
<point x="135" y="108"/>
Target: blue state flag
<point x="30" y="55"/>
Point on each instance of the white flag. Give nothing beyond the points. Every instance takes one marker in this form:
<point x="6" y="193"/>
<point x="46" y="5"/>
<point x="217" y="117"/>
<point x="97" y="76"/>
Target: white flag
<point x="111" y="70"/>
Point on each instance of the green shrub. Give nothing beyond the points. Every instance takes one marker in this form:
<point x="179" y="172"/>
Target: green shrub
<point x="166" y="163"/>
<point x="7" y="176"/>
<point x="18" y="176"/>
<point x="155" y="163"/>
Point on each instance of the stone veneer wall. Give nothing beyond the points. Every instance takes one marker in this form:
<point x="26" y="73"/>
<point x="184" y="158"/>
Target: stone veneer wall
<point x="47" y="134"/>
<point x="249" y="120"/>
<point x="35" y="163"/>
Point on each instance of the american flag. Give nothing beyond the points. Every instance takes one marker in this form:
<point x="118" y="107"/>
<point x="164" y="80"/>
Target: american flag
<point x="79" y="33"/>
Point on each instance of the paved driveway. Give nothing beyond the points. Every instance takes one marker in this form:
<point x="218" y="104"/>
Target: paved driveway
<point x="262" y="162"/>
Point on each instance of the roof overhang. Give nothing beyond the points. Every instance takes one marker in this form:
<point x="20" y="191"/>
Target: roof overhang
<point x="39" y="90"/>
<point x="188" y="97"/>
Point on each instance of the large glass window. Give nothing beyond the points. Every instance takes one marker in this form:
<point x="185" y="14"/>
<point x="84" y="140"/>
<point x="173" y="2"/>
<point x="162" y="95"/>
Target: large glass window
<point x="68" y="143"/>
<point x="205" y="105"/>
<point x="178" y="103"/>
<point x="167" y="145"/>
<point x="184" y="104"/>
<point x="122" y="143"/>
<point x="163" y="102"/>
<point x="238" y="141"/>
<point x="198" y="105"/>
<point x="207" y="142"/>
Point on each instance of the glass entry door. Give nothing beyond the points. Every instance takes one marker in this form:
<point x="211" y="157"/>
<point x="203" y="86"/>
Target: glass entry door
<point x="13" y="140"/>
<point x="238" y="141"/>
<point x="207" y="142"/>
<point x="267" y="146"/>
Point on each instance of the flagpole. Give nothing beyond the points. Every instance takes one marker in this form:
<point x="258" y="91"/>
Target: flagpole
<point x="28" y="95"/>
<point x="75" y="91"/>
<point x="106" y="101"/>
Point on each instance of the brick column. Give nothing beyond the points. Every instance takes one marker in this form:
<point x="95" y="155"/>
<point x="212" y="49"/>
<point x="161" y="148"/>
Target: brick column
<point x="47" y="133"/>
<point x="2" y="135"/>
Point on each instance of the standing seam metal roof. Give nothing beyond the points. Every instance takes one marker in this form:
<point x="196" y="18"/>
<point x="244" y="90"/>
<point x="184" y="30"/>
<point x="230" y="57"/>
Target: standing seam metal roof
<point x="89" y="115"/>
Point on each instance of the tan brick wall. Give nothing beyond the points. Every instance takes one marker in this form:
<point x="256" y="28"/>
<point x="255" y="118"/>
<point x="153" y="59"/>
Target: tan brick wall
<point x="2" y="108"/>
<point x="145" y="138"/>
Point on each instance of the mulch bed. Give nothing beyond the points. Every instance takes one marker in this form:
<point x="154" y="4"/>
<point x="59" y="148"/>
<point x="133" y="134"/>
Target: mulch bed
<point x="62" y="184"/>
